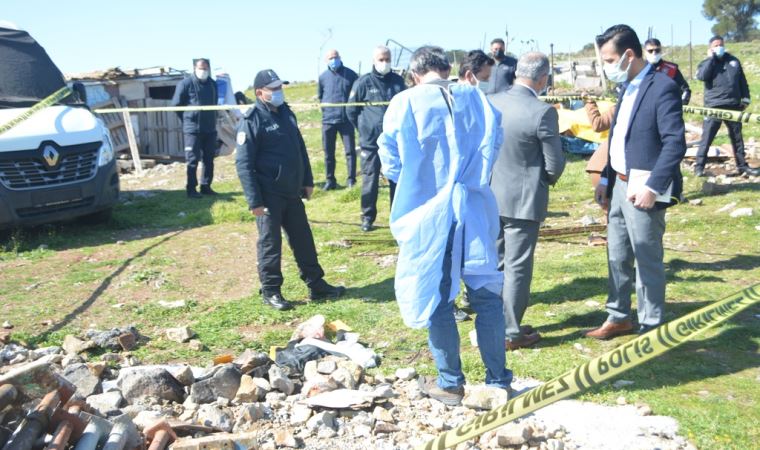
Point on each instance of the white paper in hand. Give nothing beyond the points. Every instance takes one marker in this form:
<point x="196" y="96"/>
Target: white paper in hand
<point x="637" y="179"/>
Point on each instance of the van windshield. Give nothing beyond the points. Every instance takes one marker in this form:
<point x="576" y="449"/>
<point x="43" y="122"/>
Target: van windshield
<point x="27" y="74"/>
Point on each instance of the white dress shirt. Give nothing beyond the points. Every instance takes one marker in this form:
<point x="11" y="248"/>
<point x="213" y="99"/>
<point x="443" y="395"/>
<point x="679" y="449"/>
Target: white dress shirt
<point x="620" y="131"/>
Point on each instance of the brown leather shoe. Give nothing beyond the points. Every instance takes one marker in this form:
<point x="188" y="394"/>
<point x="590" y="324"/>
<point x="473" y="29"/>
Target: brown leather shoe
<point x="525" y="341"/>
<point x="609" y="330"/>
<point x="527" y="329"/>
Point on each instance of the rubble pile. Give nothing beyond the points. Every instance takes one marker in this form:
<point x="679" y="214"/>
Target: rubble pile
<point x="315" y="393"/>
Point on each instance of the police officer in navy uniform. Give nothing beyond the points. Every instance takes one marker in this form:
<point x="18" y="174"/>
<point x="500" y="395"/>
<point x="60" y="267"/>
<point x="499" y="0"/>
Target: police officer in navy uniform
<point x="380" y="85"/>
<point x="198" y="127"/>
<point x="275" y="173"/>
<point x="725" y="88"/>
<point x="653" y="49"/>
<point x="334" y="86"/>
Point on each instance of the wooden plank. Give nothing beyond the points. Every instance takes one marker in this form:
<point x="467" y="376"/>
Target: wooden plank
<point x="132" y="142"/>
<point x="115" y="125"/>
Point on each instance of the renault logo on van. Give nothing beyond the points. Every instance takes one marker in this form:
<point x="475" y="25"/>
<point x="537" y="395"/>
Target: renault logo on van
<point x="51" y="156"/>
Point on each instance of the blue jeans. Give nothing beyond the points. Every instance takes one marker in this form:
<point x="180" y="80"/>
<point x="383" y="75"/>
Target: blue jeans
<point x="443" y="335"/>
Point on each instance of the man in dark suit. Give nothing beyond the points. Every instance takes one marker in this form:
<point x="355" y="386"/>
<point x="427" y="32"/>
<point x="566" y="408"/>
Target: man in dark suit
<point x="641" y="179"/>
<point x="530" y="159"/>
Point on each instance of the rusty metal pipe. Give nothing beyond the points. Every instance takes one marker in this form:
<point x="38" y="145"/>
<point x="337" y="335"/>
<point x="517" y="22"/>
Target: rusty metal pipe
<point x="61" y="436"/>
<point x="70" y="427"/>
<point x="160" y="440"/>
<point x="160" y="434"/>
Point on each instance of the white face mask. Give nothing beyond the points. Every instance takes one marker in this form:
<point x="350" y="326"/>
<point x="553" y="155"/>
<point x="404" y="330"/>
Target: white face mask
<point x="654" y="58"/>
<point x="201" y="74"/>
<point x="614" y="73"/>
<point x="482" y="85"/>
<point x="382" y="67"/>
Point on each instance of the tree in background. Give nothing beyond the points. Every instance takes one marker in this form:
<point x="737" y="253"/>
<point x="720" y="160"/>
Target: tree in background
<point x="736" y="18"/>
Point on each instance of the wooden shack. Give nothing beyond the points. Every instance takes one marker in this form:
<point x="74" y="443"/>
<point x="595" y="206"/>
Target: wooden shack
<point x="158" y="135"/>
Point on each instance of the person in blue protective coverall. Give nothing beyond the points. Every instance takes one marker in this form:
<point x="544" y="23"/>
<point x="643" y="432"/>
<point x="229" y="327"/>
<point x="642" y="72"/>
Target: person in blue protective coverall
<point x="439" y="143"/>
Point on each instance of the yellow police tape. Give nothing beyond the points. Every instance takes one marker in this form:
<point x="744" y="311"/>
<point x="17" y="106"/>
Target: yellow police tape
<point x="601" y="368"/>
<point x="712" y="113"/>
<point x="230" y="107"/>
<point x="42" y="104"/>
<point x="722" y="114"/>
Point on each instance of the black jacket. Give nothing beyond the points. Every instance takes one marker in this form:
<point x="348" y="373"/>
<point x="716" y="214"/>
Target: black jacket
<point x="334" y="87"/>
<point x="502" y="75"/>
<point x="372" y="87"/>
<point x="725" y="83"/>
<point x="671" y="69"/>
<point x="193" y="92"/>
<point x="271" y="155"/>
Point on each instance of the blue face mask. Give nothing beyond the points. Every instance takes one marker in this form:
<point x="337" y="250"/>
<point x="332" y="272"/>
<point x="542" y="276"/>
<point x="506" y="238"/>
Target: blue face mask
<point x="277" y="99"/>
<point x="719" y="51"/>
<point x="334" y="63"/>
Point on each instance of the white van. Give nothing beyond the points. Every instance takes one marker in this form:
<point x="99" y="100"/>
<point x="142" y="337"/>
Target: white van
<point x="59" y="163"/>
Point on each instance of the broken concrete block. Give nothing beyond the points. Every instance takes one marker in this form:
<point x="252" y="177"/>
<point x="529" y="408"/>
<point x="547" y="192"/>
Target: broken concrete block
<point x="325" y="418"/>
<point x="382" y="414"/>
<point x="300" y="414"/>
<point x="106" y="404"/>
<point x="179" y="334"/>
<point x="250" y="359"/>
<point x="127" y="341"/>
<point x="326" y="366"/>
<point x="249" y="390"/>
<point x="280" y="381"/>
<point x="184" y="375"/>
<point x="220" y="441"/>
<point x="513" y="434"/>
<point x="484" y="397"/>
<point x="343" y="378"/>
<point x="284" y="438"/>
<point x="86" y="382"/>
<point x="153" y="382"/>
<point x="224" y="383"/>
<point x="73" y="345"/>
<point x="406" y="373"/>
<point x="214" y="416"/>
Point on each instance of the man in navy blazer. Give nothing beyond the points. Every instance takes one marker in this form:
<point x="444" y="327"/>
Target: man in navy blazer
<point x="646" y="144"/>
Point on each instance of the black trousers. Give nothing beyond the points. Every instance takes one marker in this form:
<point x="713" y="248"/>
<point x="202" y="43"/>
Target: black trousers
<point x="200" y="147"/>
<point x="329" y="135"/>
<point x="710" y="128"/>
<point x="286" y="214"/>
<point x="370" y="183"/>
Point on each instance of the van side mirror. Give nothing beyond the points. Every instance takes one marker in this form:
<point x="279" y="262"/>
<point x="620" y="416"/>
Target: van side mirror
<point x="80" y="93"/>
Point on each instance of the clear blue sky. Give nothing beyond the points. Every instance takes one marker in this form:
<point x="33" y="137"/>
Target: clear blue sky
<point x="246" y="36"/>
